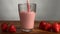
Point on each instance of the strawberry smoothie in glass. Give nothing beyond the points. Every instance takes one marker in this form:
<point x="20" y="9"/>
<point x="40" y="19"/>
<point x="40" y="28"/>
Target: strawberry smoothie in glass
<point x="27" y="14"/>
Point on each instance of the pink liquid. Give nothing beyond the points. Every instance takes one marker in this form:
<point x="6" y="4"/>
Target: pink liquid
<point x="27" y="19"/>
<point x="28" y="6"/>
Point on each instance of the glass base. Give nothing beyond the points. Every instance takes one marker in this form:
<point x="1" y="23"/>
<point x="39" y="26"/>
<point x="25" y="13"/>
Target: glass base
<point x="26" y="30"/>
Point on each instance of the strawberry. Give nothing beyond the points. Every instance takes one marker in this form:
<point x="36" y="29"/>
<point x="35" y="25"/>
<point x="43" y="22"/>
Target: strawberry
<point x="4" y="27"/>
<point x="55" y="27"/>
<point x="59" y="26"/>
<point x="48" y="26"/>
<point x="12" y="28"/>
<point x="45" y="25"/>
<point x="42" y="24"/>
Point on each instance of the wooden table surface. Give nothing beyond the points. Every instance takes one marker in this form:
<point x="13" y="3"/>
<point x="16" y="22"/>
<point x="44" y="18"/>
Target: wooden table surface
<point x="36" y="30"/>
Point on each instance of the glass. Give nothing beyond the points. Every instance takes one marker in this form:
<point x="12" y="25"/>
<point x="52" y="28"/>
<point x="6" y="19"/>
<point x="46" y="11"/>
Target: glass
<point x="27" y="18"/>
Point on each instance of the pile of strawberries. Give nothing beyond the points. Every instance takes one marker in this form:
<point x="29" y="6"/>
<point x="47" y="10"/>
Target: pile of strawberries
<point x="6" y="28"/>
<point x="44" y="25"/>
<point x="53" y="27"/>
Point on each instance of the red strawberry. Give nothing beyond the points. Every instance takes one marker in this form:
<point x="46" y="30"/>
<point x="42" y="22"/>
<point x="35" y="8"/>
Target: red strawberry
<point x="59" y="26"/>
<point x="4" y="27"/>
<point x="12" y="28"/>
<point x="48" y="27"/>
<point x="55" y="27"/>
<point x="42" y="24"/>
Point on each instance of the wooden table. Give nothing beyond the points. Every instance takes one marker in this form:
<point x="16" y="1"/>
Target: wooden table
<point x="36" y="30"/>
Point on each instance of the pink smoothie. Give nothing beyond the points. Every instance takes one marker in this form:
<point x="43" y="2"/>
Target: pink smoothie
<point x="27" y="19"/>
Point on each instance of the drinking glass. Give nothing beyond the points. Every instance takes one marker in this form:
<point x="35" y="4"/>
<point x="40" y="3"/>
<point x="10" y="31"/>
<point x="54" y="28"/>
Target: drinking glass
<point x="27" y="17"/>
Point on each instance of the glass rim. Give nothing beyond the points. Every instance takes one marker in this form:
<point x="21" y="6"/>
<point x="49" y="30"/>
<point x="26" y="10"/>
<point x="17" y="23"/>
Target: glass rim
<point x="26" y="3"/>
<point x="21" y="4"/>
